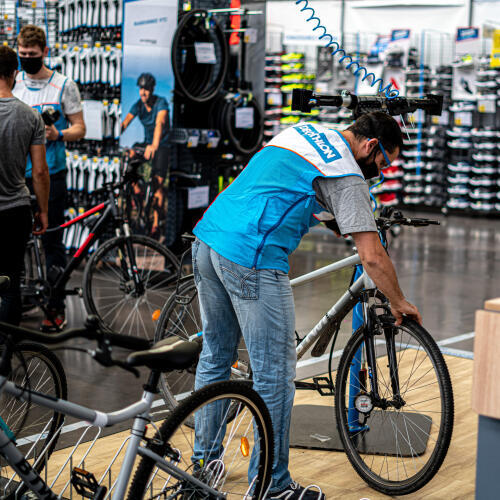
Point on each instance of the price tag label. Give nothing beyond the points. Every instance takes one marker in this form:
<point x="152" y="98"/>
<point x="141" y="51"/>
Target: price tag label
<point x="244" y="118"/>
<point x="205" y="52"/>
<point x="275" y="99"/>
<point x="251" y="35"/>
<point x="197" y="197"/>
<point x="463" y="118"/>
<point x="486" y="106"/>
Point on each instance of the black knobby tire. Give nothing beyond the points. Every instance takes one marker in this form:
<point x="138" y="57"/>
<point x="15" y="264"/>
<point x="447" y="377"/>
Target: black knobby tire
<point x="238" y="392"/>
<point x="426" y="365"/>
<point x="109" y="292"/>
<point x="45" y="375"/>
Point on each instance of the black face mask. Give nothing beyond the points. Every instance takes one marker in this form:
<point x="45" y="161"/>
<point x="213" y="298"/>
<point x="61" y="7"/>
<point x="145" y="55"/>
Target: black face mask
<point x="31" y="65"/>
<point x="368" y="166"/>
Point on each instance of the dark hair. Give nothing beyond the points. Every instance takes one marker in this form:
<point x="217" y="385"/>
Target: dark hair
<point x="8" y="62"/>
<point x="381" y="126"/>
<point x="31" y="36"/>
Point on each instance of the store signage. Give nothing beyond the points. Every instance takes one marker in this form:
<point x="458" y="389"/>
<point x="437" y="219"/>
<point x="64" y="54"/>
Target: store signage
<point x="294" y="38"/>
<point x="400" y="35"/>
<point x="205" y="52"/>
<point x="495" y="50"/>
<point x="467" y="41"/>
<point x="319" y="142"/>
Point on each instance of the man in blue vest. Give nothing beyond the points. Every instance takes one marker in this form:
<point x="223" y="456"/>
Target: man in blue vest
<point x="50" y="91"/>
<point x="240" y="258"/>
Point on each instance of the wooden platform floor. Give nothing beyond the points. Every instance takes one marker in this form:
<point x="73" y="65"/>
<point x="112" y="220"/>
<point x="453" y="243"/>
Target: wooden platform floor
<point x="331" y="470"/>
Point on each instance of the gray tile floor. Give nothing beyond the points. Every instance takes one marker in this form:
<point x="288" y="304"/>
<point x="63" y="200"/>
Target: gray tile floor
<point x="448" y="271"/>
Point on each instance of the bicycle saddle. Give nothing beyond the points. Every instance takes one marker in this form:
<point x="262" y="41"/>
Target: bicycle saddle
<point x="165" y="356"/>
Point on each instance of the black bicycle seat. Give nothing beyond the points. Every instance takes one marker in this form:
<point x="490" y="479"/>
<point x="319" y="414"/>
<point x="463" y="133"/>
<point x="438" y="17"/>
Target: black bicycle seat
<point x="165" y="356"/>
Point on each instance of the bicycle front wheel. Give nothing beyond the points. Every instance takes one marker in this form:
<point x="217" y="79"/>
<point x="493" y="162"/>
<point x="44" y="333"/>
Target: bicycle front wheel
<point x="395" y="450"/>
<point x="34" y="428"/>
<point x="227" y="448"/>
<point x="127" y="281"/>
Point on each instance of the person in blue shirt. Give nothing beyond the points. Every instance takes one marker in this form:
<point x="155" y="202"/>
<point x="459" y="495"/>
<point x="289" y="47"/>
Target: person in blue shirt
<point x="306" y="174"/>
<point x="152" y="111"/>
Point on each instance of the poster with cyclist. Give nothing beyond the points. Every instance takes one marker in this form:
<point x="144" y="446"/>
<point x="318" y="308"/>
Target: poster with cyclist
<point x="147" y="86"/>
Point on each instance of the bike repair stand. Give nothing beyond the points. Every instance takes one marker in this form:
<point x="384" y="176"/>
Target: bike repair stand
<point x="314" y="426"/>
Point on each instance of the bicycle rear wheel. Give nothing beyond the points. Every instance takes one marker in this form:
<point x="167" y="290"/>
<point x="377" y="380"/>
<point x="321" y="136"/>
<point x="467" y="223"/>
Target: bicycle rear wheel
<point x="396" y="451"/>
<point x="111" y="293"/>
<point x="248" y="435"/>
<point x="34" y="428"/>
<point x="180" y="319"/>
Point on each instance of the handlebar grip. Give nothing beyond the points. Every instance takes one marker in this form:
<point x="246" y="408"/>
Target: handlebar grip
<point x="127" y="342"/>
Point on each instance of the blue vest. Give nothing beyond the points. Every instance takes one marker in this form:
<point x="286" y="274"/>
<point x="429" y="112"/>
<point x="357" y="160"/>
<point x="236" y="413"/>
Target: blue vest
<point x="50" y="96"/>
<point x="261" y="217"/>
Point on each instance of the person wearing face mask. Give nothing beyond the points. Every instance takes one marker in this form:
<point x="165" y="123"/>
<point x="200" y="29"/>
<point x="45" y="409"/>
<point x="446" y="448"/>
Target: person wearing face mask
<point x="305" y="174"/>
<point x="22" y="134"/>
<point x="49" y="91"/>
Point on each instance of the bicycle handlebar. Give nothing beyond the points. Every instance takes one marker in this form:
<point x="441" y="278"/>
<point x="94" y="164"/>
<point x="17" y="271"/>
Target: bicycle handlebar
<point x="89" y="332"/>
<point x="391" y="218"/>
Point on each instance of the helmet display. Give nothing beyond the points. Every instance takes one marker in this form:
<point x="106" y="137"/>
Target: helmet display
<point x="146" y="81"/>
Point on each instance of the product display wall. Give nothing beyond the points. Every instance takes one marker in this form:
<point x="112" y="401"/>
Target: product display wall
<point x="451" y="162"/>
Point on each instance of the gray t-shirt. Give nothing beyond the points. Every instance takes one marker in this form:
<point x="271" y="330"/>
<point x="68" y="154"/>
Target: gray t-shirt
<point x="20" y="127"/>
<point x="348" y="199"/>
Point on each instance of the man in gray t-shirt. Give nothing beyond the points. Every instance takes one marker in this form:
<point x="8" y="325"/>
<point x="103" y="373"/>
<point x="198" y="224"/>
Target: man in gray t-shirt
<point x="22" y="132"/>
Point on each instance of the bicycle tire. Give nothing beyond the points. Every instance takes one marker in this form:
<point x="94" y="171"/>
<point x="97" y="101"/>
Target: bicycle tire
<point x="49" y="379"/>
<point x="182" y="321"/>
<point x="125" y="310"/>
<point x="409" y="438"/>
<point x="166" y="439"/>
<point x="191" y="29"/>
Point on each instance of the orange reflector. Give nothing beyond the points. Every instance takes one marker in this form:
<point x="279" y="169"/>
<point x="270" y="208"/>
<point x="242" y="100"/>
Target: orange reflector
<point x="156" y="314"/>
<point x="245" y="447"/>
<point x="235" y="365"/>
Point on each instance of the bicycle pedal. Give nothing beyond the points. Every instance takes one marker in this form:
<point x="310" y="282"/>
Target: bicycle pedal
<point x="86" y="484"/>
<point x="325" y="388"/>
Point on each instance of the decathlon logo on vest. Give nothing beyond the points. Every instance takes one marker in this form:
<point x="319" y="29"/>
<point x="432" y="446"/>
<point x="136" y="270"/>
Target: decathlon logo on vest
<point x="319" y="142"/>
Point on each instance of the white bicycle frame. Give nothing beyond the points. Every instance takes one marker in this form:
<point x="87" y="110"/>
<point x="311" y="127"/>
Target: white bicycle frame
<point x="363" y="282"/>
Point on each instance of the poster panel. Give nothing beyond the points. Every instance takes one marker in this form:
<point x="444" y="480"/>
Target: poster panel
<point x="148" y="30"/>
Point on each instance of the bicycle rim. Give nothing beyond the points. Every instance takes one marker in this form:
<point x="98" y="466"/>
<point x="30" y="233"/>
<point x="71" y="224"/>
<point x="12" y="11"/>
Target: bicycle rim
<point x="180" y="320"/>
<point x="111" y="292"/>
<point x="397" y="451"/>
<point x="35" y="428"/>
<point x="227" y="447"/>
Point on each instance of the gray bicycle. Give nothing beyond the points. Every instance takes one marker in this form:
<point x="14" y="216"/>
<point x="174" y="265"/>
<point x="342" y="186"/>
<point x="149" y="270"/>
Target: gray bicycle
<point x="167" y="468"/>
<point x="391" y="380"/>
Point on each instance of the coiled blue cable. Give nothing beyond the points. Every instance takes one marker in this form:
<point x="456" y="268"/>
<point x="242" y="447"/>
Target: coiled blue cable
<point x="358" y="71"/>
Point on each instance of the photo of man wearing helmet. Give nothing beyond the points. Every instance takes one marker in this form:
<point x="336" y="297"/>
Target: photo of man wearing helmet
<point x="153" y="113"/>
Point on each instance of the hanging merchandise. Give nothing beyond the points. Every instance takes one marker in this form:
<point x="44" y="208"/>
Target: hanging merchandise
<point x="239" y="117"/>
<point x="199" y="56"/>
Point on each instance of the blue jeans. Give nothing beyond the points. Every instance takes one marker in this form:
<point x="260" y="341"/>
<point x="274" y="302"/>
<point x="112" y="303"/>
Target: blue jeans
<point x="257" y="304"/>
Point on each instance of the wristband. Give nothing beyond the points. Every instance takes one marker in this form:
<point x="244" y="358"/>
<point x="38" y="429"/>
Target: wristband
<point x="60" y="136"/>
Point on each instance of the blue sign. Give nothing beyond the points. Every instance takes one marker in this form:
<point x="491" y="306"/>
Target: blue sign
<point x="319" y="142"/>
<point x="399" y="35"/>
<point x="467" y="34"/>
